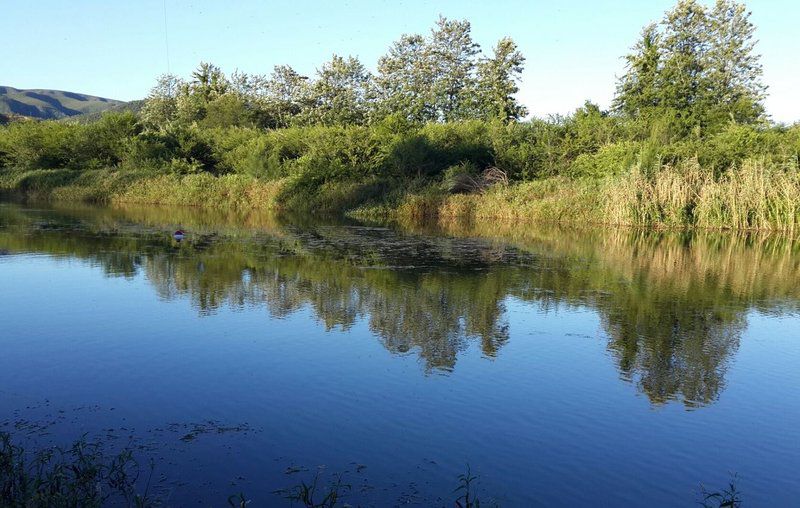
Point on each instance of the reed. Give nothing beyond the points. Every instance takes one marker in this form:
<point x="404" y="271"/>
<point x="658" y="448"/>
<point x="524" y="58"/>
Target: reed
<point x="227" y="191"/>
<point x="758" y="196"/>
<point x="80" y="475"/>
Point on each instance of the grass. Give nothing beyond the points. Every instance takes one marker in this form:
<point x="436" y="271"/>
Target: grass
<point x="315" y="495"/>
<point x="756" y="197"/>
<point x="126" y="187"/>
<point x="729" y="497"/>
<point x="81" y="475"/>
<point x="467" y="497"/>
<point x="586" y="168"/>
<point x="227" y="191"/>
<point x="68" y="185"/>
<point x="759" y="195"/>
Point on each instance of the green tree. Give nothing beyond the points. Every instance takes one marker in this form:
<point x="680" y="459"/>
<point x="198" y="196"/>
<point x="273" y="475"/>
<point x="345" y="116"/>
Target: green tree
<point x="497" y="82"/>
<point x="684" y="83"/>
<point x="161" y="106"/>
<point x="734" y="69"/>
<point x="639" y="89"/>
<point x="228" y="110"/>
<point x="697" y="70"/>
<point x="287" y="94"/>
<point x="404" y="80"/>
<point x="341" y="94"/>
<point x="452" y="54"/>
<point x="207" y="84"/>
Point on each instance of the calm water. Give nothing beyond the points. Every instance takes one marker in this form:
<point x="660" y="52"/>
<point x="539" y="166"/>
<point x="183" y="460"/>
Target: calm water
<point x="565" y="367"/>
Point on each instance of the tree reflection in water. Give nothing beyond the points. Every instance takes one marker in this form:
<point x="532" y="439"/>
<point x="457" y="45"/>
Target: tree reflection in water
<point x="673" y="305"/>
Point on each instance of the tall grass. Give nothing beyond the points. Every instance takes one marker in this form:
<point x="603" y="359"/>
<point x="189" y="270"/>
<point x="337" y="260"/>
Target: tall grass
<point x="80" y="475"/>
<point x="756" y="196"/>
<point x="230" y="191"/>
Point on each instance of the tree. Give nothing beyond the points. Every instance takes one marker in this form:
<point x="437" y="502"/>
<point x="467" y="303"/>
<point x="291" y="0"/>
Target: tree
<point x="287" y="94"/>
<point x="404" y="80"/>
<point x="161" y="106"/>
<point x="342" y="93"/>
<point x="733" y="67"/>
<point x="685" y="44"/>
<point x="497" y="82"/>
<point x="228" y="110"/>
<point x="697" y="69"/>
<point x="451" y="53"/>
<point x="638" y="91"/>
<point x="208" y="83"/>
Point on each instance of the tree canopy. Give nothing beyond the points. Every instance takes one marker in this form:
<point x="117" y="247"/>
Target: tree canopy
<point x="697" y="67"/>
<point x="438" y="77"/>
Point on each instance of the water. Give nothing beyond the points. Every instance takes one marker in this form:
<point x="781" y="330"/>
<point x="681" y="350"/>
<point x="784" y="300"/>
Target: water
<point x="565" y="367"/>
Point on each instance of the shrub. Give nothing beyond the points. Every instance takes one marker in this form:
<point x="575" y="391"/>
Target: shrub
<point x="33" y="145"/>
<point x="609" y="160"/>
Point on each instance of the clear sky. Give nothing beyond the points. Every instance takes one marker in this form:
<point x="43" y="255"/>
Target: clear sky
<point x="116" y="48"/>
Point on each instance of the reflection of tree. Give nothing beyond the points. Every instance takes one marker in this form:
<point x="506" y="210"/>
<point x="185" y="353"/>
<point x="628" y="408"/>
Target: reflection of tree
<point x="673" y="306"/>
<point x="434" y="315"/>
<point x="674" y="352"/>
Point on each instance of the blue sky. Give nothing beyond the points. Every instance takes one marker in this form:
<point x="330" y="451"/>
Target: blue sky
<point x="116" y="49"/>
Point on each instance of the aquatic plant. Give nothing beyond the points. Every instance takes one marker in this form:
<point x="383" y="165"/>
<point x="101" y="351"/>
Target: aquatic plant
<point x="729" y="497"/>
<point x="316" y="495"/>
<point x="80" y="475"/>
<point x="467" y="498"/>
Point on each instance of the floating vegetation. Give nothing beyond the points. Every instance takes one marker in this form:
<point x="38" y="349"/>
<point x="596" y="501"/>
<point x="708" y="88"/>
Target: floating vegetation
<point x="194" y="430"/>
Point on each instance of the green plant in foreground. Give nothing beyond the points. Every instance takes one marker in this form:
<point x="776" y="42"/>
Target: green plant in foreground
<point x="80" y="475"/>
<point x="311" y="495"/>
<point x="466" y="499"/>
<point x="729" y="497"/>
<point x="238" y="501"/>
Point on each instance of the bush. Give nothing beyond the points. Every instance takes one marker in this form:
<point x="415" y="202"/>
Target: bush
<point x="34" y="145"/>
<point x="609" y="160"/>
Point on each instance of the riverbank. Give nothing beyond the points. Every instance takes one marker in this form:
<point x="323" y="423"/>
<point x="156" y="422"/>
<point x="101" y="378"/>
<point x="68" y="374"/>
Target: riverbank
<point x="757" y="196"/>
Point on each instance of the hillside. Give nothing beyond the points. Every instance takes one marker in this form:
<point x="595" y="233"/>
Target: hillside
<point x="122" y="107"/>
<point x="51" y="104"/>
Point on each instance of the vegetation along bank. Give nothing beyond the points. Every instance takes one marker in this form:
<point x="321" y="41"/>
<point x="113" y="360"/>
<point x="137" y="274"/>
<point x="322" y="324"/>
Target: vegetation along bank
<point x="436" y="132"/>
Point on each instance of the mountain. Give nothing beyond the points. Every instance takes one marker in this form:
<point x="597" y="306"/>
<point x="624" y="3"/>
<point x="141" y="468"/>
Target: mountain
<point x="50" y="104"/>
<point x="133" y="106"/>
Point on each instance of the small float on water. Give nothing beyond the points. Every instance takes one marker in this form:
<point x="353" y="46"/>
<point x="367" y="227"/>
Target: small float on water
<point x="179" y="235"/>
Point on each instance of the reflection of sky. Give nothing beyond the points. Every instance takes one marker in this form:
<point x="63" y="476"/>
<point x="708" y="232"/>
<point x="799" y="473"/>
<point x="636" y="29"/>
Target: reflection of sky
<point x="547" y="419"/>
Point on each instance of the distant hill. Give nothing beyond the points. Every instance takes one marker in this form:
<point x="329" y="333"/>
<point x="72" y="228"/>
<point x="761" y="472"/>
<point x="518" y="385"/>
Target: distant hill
<point x="51" y="104"/>
<point x="132" y="106"/>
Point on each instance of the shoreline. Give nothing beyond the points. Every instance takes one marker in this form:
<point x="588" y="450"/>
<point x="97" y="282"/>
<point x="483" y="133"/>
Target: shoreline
<point x="766" y="197"/>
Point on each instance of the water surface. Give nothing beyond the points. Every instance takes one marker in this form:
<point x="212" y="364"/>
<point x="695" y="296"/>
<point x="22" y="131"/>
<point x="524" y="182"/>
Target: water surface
<point x="565" y="367"/>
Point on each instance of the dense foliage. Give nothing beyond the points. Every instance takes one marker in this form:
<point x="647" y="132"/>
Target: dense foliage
<point x="438" y="115"/>
<point x="697" y="70"/>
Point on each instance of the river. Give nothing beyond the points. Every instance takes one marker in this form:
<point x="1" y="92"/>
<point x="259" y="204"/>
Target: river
<point x="563" y="367"/>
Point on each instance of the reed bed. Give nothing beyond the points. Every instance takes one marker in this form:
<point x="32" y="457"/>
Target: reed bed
<point x="755" y="196"/>
<point x="229" y="191"/>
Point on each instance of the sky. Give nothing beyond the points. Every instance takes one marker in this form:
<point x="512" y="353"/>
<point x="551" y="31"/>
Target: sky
<point x="574" y="49"/>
